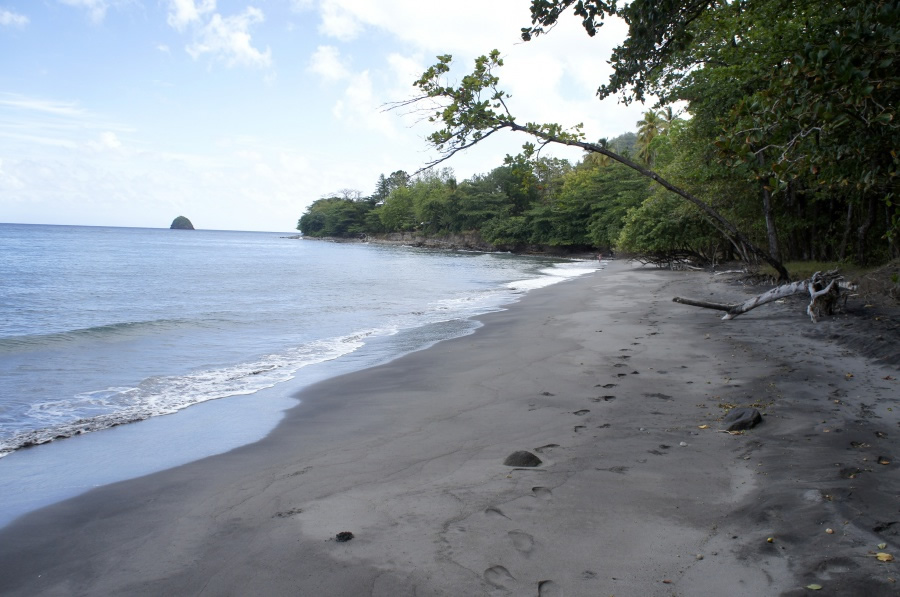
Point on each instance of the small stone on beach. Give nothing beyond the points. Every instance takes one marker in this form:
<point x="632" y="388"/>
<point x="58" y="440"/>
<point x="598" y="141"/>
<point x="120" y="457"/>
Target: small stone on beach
<point x="343" y="536"/>
<point x="742" y="418"/>
<point x="522" y="458"/>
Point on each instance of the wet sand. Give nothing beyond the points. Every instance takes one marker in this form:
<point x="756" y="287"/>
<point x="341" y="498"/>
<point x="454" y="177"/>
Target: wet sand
<point x="605" y="380"/>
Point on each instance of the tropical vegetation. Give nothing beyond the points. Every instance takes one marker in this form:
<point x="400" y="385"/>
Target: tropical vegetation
<point x="786" y="147"/>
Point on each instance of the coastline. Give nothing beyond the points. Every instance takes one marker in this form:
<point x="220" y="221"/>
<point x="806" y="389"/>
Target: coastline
<point x="463" y="241"/>
<point x="602" y="377"/>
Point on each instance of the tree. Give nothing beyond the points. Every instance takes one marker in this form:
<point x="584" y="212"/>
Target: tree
<point x="802" y="95"/>
<point x="476" y="109"/>
<point x="649" y="127"/>
<point x="334" y="217"/>
<point x="398" y="212"/>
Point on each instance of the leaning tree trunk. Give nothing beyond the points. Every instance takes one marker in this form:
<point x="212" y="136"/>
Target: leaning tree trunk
<point x="771" y="231"/>
<point x="702" y="205"/>
<point x="863" y="231"/>
<point x="824" y="293"/>
<point x="842" y="252"/>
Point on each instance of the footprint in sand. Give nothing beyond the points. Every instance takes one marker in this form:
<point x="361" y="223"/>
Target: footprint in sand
<point x="620" y="365"/>
<point x="621" y="374"/>
<point x="498" y="576"/>
<point x="495" y="511"/>
<point x="547" y="394"/>
<point x="542" y="449"/>
<point x="578" y="428"/>
<point x="542" y="493"/>
<point x="522" y="541"/>
<point x="603" y="399"/>
<point x="658" y="395"/>
<point x="619" y="470"/>
<point x="581" y="413"/>
<point x="548" y="588"/>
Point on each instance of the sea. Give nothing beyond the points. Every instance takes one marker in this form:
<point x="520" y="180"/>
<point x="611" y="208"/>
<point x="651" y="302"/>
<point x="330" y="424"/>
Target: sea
<point x="129" y="350"/>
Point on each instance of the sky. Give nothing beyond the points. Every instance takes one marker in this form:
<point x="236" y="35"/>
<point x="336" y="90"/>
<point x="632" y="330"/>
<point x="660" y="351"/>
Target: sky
<point x="240" y="113"/>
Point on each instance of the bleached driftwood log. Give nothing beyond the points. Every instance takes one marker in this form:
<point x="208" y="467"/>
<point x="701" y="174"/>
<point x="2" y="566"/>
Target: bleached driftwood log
<point x="823" y="290"/>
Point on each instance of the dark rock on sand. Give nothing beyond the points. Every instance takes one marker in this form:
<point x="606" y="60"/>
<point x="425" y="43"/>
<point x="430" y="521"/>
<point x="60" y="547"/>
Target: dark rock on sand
<point x="181" y="223"/>
<point x="742" y="418"/>
<point x="522" y="458"/>
<point x="343" y="536"/>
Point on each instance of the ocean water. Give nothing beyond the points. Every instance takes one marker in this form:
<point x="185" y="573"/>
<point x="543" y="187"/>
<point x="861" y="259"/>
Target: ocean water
<point x="105" y="326"/>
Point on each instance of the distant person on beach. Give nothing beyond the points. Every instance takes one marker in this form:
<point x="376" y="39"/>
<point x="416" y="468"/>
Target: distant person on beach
<point x="600" y="257"/>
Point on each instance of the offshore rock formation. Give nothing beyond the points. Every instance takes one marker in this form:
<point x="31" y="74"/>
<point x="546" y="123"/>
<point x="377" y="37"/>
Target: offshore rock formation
<point x="181" y="223"/>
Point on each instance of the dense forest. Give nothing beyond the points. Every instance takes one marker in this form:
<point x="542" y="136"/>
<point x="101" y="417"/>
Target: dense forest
<point x="787" y="139"/>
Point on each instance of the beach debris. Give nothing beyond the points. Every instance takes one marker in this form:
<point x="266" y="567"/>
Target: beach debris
<point x="882" y="546"/>
<point x="703" y="427"/>
<point x="829" y="531"/>
<point x="682" y="444"/>
<point x="770" y="539"/>
<point x="742" y="418"/>
<point x="814" y="587"/>
<point x="522" y="458"/>
<point x="343" y="536"/>
<point x="884" y="461"/>
<point x="824" y="295"/>
<point x="884" y="557"/>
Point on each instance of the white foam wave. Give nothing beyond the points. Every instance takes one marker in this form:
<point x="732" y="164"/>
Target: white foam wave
<point x="101" y="409"/>
<point x="554" y="275"/>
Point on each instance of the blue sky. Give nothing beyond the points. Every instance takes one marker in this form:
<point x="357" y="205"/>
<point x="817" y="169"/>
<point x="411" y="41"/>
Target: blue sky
<point x="238" y="114"/>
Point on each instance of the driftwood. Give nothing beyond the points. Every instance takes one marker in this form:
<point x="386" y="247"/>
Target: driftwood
<point x="824" y="293"/>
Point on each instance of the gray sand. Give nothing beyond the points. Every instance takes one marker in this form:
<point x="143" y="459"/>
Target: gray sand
<point x="608" y="383"/>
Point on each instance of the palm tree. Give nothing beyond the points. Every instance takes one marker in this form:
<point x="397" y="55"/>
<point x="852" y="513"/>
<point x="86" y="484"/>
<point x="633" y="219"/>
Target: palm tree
<point x="668" y="117"/>
<point x="649" y="127"/>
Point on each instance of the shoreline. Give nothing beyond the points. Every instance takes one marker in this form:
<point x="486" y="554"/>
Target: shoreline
<point x="603" y="378"/>
<point x="453" y="242"/>
<point x="59" y="469"/>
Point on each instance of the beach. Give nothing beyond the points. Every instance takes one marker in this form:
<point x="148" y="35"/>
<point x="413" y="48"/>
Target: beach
<point x="616" y="389"/>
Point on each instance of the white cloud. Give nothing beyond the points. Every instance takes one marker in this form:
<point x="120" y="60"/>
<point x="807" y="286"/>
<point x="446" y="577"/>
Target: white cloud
<point x="552" y="79"/>
<point x="184" y="12"/>
<point x="96" y="8"/>
<point x="21" y="102"/>
<point x="301" y="5"/>
<point x="164" y="49"/>
<point x="338" y="22"/>
<point x="8" y="180"/>
<point x="106" y="141"/>
<point x="9" y="18"/>
<point x="327" y="62"/>
<point x="228" y="39"/>
<point x="474" y="25"/>
<point x="360" y="108"/>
